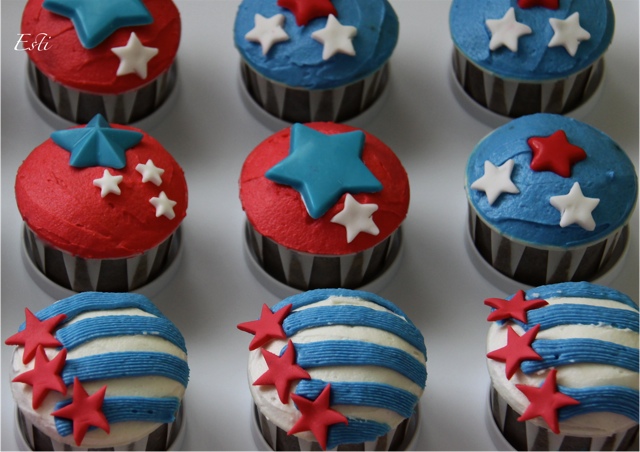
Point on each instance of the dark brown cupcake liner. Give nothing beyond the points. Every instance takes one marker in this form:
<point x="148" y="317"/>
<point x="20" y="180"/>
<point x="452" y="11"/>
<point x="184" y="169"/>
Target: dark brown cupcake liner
<point x="302" y="105"/>
<point x="515" y="98"/>
<point x="80" y="107"/>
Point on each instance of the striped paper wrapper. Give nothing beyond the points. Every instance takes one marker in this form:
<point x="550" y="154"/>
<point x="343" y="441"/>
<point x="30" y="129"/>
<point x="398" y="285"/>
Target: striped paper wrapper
<point x="80" y="107"/>
<point x="303" y="105"/>
<point x="516" y="98"/>
<point x="527" y="436"/>
<point x="162" y="438"/>
<point x="101" y="275"/>
<point x="540" y="266"/>
<point x="307" y="271"/>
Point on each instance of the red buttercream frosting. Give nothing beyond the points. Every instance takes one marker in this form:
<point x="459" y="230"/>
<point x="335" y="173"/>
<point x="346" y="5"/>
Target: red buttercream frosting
<point x="67" y="62"/>
<point x="64" y="209"/>
<point x="278" y="212"/>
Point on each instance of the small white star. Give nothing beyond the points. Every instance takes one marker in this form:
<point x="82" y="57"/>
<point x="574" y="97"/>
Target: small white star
<point x="568" y="33"/>
<point x="496" y="180"/>
<point x="150" y="172"/>
<point x="506" y="31"/>
<point x="134" y="57"/>
<point x="336" y="38"/>
<point x="575" y="208"/>
<point x="108" y="183"/>
<point x="163" y="205"/>
<point x="267" y="31"/>
<point x="356" y="218"/>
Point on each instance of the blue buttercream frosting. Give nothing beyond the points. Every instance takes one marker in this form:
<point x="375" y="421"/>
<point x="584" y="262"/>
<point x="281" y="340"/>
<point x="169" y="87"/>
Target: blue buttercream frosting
<point x="298" y="61"/>
<point x="534" y="60"/>
<point x="606" y="173"/>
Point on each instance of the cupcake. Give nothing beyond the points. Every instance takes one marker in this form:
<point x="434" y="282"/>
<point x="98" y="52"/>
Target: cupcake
<point x="99" y="371"/>
<point x="335" y="368"/>
<point x="101" y="206"/>
<point x="519" y="57"/>
<point x="323" y="60"/>
<point x="324" y="203"/>
<point x="549" y="200"/>
<point x="114" y="58"/>
<point x="563" y="361"/>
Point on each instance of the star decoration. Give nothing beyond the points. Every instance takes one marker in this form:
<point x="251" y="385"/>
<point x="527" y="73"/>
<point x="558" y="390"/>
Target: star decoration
<point x="568" y="33"/>
<point x="506" y="31"/>
<point x="324" y="167"/>
<point x="549" y="4"/>
<point x="283" y="371"/>
<point x="134" y="57"/>
<point x="555" y="153"/>
<point x="515" y="308"/>
<point x="45" y="376"/>
<point x="97" y="143"/>
<point x="316" y="417"/>
<point x="95" y="21"/>
<point x="108" y="183"/>
<point x="575" y="208"/>
<point x="305" y="10"/>
<point x="267" y="327"/>
<point x="85" y="411"/>
<point x="36" y="332"/>
<point x="164" y="206"/>
<point x="545" y="401"/>
<point x="356" y="218"/>
<point x="336" y="38"/>
<point x="150" y="172"/>
<point x="267" y="31"/>
<point x="518" y="349"/>
<point x="496" y="180"/>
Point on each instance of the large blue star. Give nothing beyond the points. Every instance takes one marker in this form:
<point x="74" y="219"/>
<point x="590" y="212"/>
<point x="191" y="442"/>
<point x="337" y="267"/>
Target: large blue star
<point x="95" y="20"/>
<point x="324" y="167"/>
<point x="97" y="144"/>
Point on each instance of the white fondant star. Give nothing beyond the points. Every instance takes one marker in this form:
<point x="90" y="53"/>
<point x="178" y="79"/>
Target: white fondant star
<point x="568" y="33"/>
<point x="134" y="57"/>
<point x="108" y="183"/>
<point x="267" y="31"/>
<point x="575" y="208"/>
<point x="336" y="38"/>
<point x="163" y="205"/>
<point x="356" y="218"/>
<point x="506" y="31"/>
<point x="150" y="172"/>
<point x="496" y="180"/>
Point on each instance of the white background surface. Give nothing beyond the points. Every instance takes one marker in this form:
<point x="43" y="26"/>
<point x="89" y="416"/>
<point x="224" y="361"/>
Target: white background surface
<point x="210" y="133"/>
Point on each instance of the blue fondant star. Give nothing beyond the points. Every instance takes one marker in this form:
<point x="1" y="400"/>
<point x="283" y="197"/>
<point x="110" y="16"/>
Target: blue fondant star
<point x="96" y="144"/>
<point x="324" y="167"/>
<point x="96" y="20"/>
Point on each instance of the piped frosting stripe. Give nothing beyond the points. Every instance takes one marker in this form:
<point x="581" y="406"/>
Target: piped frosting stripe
<point x="579" y="290"/>
<point x="355" y="431"/>
<point x="614" y="399"/>
<point x="576" y="314"/>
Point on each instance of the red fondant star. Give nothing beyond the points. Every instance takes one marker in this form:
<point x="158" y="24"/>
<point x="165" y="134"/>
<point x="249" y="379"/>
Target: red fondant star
<point x="45" y="376"/>
<point x="283" y="371"/>
<point x="515" y="308"/>
<point x="268" y="327"/>
<point x="305" y="10"/>
<point x="545" y="401"/>
<point x="518" y="349"/>
<point x="316" y="416"/>
<point x="36" y="333"/>
<point x="85" y="411"/>
<point x="550" y="4"/>
<point x="555" y="153"/>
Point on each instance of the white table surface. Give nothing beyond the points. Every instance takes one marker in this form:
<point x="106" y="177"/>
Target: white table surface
<point x="210" y="132"/>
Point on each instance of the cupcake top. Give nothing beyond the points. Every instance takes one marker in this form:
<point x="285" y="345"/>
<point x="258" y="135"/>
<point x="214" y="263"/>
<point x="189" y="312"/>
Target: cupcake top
<point x="109" y="363"/>
<point x="101" y="191"/>
<point x="324" y="188"/>
<point x="532" y="40"/>
<point x="101" y="47"/>
<point x="549" y="180"/>
<point x="353" y="354"/>
<point x="565" y="356"/>
<point x="315" y="44"/>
